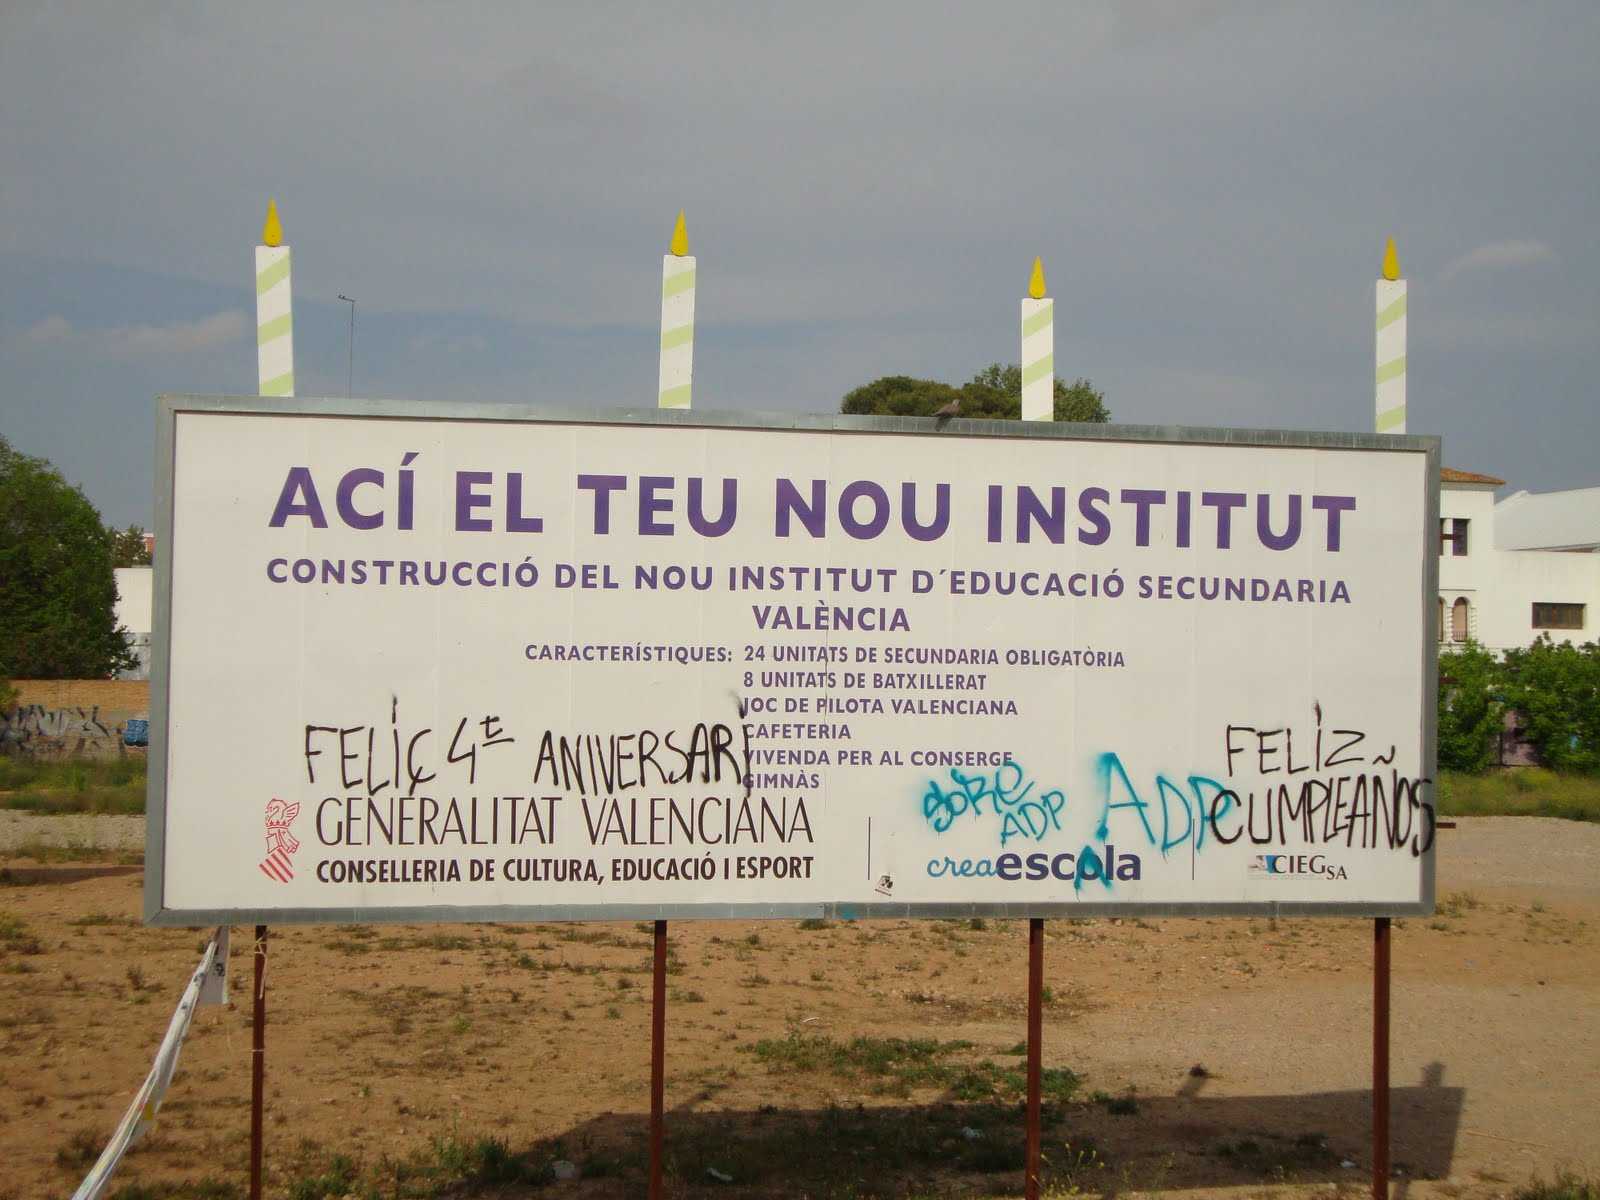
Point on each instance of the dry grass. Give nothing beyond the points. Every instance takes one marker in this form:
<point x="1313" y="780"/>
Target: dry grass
<point x="83" y="786"/>
<point x="1520" y="792"/>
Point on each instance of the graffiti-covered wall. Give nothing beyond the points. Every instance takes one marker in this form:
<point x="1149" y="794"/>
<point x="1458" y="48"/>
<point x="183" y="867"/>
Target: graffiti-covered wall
<point x="70" y="718"/>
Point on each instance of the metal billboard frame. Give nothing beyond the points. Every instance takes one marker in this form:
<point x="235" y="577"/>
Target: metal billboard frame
<point x="171" y="406"/>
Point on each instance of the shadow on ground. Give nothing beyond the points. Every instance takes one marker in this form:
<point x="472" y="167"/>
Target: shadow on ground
<point x="1101" y="1147"/>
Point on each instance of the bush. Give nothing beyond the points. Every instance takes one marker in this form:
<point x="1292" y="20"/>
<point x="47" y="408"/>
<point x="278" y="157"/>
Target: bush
<point x="1469" y="712"/>
<point x="1555" y="687"/>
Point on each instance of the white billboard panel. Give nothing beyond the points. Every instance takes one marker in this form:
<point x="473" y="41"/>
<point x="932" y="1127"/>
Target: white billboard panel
<point x="467" y="664"/>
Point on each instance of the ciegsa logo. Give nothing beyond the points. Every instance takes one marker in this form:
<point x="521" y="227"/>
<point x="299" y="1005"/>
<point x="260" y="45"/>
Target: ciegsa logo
<point x="1296" y="864"/>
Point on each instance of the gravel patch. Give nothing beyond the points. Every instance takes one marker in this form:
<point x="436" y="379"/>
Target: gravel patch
<point x="1534" y="852"/>
<point x="99" y="831"/>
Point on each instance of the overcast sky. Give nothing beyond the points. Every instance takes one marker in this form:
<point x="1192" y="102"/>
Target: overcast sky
<point x="1209" y="185"/>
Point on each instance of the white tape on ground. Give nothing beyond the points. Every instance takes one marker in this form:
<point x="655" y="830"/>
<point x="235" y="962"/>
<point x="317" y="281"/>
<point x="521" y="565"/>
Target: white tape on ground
<point x="141" y="1114"/>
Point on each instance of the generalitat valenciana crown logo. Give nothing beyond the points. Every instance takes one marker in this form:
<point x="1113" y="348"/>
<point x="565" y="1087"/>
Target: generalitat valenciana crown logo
<point x="281" y="843"/>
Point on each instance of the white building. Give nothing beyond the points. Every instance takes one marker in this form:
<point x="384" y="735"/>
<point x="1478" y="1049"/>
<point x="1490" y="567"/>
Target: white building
<point x="1512" y="571"/>
<point x="134" y="612"/>
<point x="1567" y="520"/>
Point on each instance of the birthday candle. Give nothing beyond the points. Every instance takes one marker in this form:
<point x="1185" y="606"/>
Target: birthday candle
<point x="1391" y="343"/>
<point x="677" y="320"/>
<point x="1038" y="350"/>
<point x="274" y="321"/>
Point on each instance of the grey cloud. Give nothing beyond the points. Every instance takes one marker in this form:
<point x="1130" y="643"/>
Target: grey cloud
<point x="176" y="337"/>
<point x="179" y="337"/>
<point x="461" y="343"/>
<point x="866" y="186"/>
<point x="1498" y="255"/>
<point x="51" y="329"/>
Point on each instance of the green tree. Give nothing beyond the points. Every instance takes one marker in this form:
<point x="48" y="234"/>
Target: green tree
<point x="57" y="591"/>
<point x="1555" y="688"/>
<point x="898" y="396"/>
<point x="1075" y="401"/>
<point x="994" y="393"/>
<point x="1470" y="710"/>
<point x="127" y="547"/>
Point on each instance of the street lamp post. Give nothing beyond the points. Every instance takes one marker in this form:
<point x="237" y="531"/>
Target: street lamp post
<point x="350" y="379"/>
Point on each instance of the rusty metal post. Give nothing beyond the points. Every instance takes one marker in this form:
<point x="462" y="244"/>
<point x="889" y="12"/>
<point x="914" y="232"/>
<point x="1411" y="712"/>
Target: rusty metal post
<point x="1380" y="1058"/>
<point x="658" y="1059"/>
<point x="258" y="1061"/>
<point x="1035" y="1054"/>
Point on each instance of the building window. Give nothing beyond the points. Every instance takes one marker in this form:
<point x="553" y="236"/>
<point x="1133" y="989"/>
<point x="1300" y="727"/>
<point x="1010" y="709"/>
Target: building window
<point x="1557" y="616"/>
<point x="1458" y="620"/>
<point x="1453" y="536"/>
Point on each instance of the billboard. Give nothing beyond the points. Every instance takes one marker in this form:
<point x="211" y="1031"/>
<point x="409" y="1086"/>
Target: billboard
<point x="471" y="663"/>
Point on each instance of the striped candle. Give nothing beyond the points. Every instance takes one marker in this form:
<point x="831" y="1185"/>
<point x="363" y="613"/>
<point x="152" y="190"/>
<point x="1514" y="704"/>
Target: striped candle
<point x="1038" y="350"/>
<point x="1391" y="343"/>
<point x="677" y="320"/>
<point x="274" y="320"/>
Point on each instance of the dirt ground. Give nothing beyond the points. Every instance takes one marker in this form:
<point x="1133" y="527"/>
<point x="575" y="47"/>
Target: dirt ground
<point x="387" y="1042"/>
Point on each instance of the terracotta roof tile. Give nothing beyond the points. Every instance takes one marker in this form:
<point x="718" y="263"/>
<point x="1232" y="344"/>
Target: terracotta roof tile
<point x="1451" y="475"/>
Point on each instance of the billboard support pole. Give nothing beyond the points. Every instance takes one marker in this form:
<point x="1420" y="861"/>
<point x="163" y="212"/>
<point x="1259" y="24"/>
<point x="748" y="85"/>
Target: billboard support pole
<point x="658" y="1057"/>
<point x="258" y="1061"/>
<point x="1035" y="1037"/>
<point x="1380" y="1058"/>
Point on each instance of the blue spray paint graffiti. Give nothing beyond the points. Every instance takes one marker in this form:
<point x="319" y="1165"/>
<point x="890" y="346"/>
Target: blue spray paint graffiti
<point x="1013" y="805"/>
<point x="1010" y="796"/>
<point x="1113" y="775"/>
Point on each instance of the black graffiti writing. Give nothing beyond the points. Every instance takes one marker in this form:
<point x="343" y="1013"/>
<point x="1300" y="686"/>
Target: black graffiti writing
<point x="378" y="758"/>
<point x="1369" y="810"/>
<point x="608" y="763"/>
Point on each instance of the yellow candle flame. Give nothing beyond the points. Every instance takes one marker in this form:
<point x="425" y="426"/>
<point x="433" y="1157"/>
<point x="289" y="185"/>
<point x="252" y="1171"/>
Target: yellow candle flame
<point x="1391" y="261"/>
<point x="680" y="238"/>
<point x="1036" y="280"/>
<point x="271" y="230"/>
